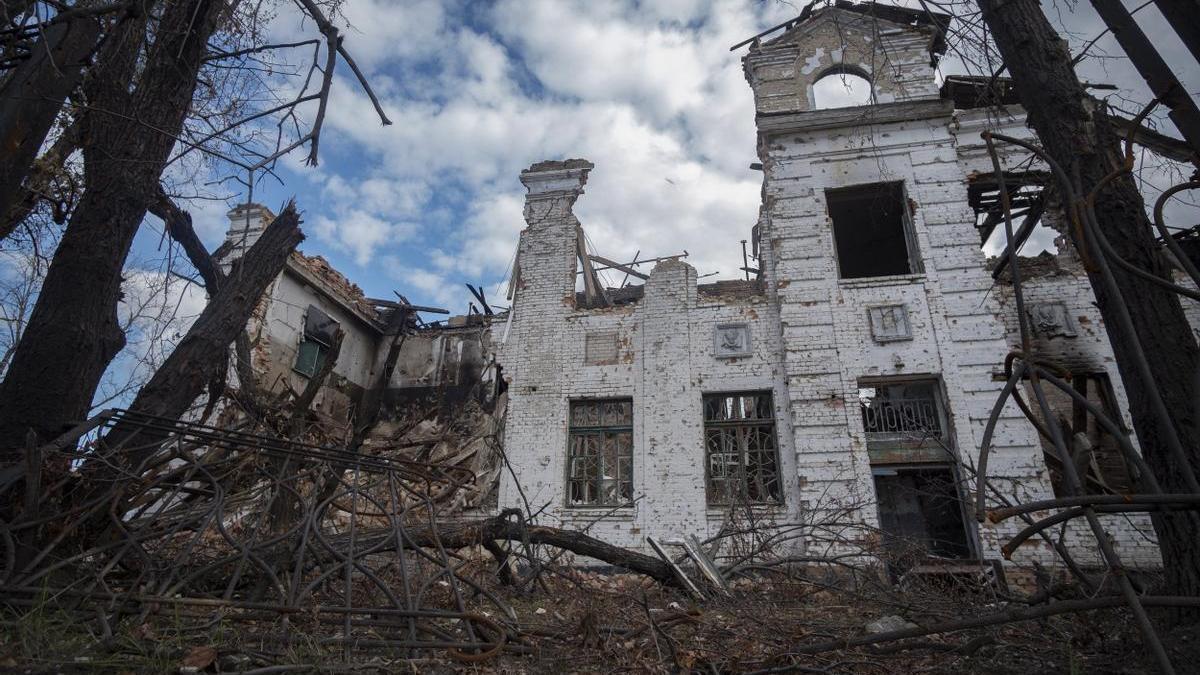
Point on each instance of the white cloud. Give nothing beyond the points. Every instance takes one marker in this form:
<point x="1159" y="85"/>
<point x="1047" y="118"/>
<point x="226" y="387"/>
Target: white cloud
<point x="648" y="91"/>
<point x="156" y="311"/>
<point x="359" y="233"/>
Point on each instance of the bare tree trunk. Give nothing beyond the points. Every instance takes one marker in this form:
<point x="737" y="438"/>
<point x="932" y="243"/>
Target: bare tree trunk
<point x="201" y="354"/>
<point x="463" y="534"/>
<point x="73" y="333"/>
<point x="31" y="99"/>
<point x="1072" y="132"/>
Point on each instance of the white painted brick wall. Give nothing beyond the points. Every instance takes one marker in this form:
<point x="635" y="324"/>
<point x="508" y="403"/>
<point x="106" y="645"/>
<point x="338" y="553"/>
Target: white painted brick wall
<point x="812" y="342"/>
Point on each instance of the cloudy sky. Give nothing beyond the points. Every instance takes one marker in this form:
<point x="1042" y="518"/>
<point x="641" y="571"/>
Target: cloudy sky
<point x="648" y="91"/>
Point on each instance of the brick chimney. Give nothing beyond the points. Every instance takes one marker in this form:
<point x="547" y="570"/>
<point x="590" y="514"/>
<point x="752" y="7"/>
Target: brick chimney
<point x="246" y="223"/>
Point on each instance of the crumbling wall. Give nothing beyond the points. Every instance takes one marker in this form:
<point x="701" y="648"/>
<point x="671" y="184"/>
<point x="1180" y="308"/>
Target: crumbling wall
<point x="894" y="58"/>
<point x="1068" y="330"/>
<point x="276" y="339"/>
<point x="958" y="326"/>
<point x="658" y="351"/>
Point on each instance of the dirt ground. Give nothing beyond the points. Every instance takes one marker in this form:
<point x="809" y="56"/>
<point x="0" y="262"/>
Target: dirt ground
<point x="572" y="621"/>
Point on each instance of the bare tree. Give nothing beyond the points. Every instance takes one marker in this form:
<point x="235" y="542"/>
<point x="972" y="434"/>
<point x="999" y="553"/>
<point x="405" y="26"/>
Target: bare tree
<point x="1154" y="345"/>
<point x="169" y="79"/>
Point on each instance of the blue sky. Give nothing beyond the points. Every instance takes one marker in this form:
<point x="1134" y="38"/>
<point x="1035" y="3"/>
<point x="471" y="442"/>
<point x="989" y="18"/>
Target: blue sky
<point x="648" y="91"/>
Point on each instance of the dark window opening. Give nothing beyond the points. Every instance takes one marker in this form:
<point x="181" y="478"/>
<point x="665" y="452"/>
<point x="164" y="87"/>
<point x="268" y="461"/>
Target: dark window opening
<point x="319" y="332"/>
<point x="740" y="448"/>
<point x="872" y="231"/>
<point x="912" y="459"/>
<point x="920" y="513"/>
<point x="1095" y="453"/>
<point x="600" y="453"/>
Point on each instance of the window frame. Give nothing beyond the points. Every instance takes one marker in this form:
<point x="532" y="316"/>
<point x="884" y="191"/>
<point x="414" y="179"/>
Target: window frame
<point x="916" y="265"/>
<point x="900" y="447"/>
<point x="309" y="336"/>
<point x="744" y="464"/>
<point x="600" y="430"/>
<point x="318" y="361"/>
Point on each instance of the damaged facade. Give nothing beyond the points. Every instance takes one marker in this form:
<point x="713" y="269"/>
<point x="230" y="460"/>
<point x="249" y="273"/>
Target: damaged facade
<point x="857" y="369"/>
<point x="429" y="392"/>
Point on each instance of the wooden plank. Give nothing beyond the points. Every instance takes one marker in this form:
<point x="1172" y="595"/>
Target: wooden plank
<point x="619" y="266"/>
<point x="683" y="578"/>
<point x="591" y="283"/>
<point x="404" y="305"/>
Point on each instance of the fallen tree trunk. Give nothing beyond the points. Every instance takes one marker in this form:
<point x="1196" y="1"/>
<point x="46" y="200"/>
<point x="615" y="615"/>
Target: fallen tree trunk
<point x="465" y="534"/>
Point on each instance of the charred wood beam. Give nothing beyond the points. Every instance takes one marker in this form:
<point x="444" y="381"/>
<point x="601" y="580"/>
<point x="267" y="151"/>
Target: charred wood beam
<point x="619" y="266"/>
<point x="1032" y="217"/>
<point x="1171" y="148"/>
<point x="478" y="293"/>
<point x="592" y="288"/>
<point x="1181" y="14"/>
<point x="404" y="305"/>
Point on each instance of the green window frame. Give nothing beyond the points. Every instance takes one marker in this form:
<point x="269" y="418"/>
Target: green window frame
<point x="319" y="329"/>
<point x="600" y="452"/>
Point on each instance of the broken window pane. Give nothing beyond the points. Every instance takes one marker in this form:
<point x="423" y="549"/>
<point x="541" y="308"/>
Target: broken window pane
<point x="319" y="331"/>
<point x="319" y="326"/>
<point x="600" y="453"/>
<point x="740" y="448"/>
<point x="872" y="231"/>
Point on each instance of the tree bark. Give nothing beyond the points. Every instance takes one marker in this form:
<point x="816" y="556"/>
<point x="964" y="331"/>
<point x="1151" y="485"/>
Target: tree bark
<point x="463" y="534"/>
<point x="201" y="354"/>
<point x="1074" y="133"/>
<point x="73" y="332"/>
<point x="31" y="99"/>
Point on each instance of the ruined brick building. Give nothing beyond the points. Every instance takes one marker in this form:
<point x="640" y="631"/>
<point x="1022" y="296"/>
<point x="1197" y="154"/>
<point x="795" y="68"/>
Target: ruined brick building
<point x="854" y="371"/>
<point x="857" y="370"/>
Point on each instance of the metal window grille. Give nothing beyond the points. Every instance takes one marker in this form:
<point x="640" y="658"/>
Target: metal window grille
<point x="740" y="448"/>
<point x="600" y="453"/>
<point x="904" y="422"/>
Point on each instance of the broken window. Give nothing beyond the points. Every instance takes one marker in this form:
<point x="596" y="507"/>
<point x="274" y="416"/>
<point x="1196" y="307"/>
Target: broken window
<point x="319" y="331"/>
<point x="600" y="453"/>
<point x="909" y="443"/>
<point x="1096" y="454"/>
<point x="872" y="231"/>
<point x="904" y="421"/>
<point x="841" y="88"/>
<point x="1026" y="206"/>
<point x="740" y="447"/>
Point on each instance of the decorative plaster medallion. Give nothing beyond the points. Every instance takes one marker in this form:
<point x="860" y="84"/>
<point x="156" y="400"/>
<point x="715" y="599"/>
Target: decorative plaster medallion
<point x="731" y="340"/>
<point x="889" y="323"/>
<point x="1051" y="319"/>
